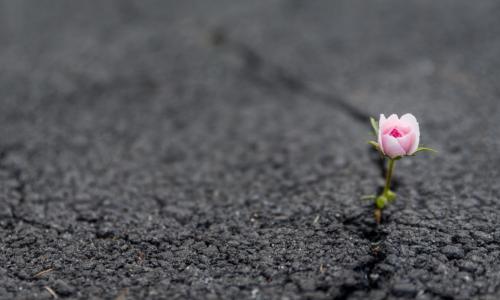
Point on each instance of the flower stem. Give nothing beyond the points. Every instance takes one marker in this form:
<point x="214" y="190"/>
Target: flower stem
<point x="388" y="177"/>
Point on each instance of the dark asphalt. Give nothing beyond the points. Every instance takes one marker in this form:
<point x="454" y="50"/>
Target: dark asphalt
<point x="217" y="149"/>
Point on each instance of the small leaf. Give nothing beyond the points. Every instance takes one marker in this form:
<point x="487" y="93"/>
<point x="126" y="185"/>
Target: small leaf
<point x="374" y="125"/>
<point x="375" y="145"/>
<point x="419" y="149"/>
<point x="368" y="197"/>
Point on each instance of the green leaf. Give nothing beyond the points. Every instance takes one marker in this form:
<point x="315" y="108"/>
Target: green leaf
<point x="374" y="125"/>
<point x="420" y="149"/>
<point x="368" y="197"/>
<point x="375" y="145"/>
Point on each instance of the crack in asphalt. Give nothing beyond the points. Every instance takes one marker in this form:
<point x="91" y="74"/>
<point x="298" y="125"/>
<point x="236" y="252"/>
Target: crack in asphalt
<point x="376" y="237"/>
<point x="269" y="75"/>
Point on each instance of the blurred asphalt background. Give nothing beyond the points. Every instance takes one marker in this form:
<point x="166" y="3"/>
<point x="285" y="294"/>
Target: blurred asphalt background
<point x="217" y="149"/>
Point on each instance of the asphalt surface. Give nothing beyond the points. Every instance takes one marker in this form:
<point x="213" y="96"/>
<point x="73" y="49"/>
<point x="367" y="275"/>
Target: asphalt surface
<point x="217" y="149"/>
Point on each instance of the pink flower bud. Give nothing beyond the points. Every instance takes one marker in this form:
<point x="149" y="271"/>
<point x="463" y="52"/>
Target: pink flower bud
<point x="398" y="136"/>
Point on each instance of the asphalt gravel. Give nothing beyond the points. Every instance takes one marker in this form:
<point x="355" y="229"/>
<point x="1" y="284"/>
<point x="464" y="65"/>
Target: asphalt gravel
<point x="217" y="149"/>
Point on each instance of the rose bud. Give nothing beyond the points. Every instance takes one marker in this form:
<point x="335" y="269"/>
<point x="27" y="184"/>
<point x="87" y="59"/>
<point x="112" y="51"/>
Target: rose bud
<point x="398" y="136"/>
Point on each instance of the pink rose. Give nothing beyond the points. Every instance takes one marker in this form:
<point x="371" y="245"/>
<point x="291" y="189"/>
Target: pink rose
<point x="398" y="136"/>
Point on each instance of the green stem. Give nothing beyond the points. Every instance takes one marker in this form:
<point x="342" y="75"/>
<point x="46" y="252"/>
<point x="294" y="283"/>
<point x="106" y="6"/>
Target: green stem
<point x="388" y="177"/>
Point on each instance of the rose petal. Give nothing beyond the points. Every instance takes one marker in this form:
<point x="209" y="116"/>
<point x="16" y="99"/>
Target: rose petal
<point x="407" y="142"/>
<point x="403" y="127"/>
<point x="391" y="146"/>
<point x="411" y="121"/>
<point x="390" y="123"/>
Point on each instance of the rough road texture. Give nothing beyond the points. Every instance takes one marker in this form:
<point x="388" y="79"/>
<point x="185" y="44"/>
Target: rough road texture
<point x="216" y="149"/>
